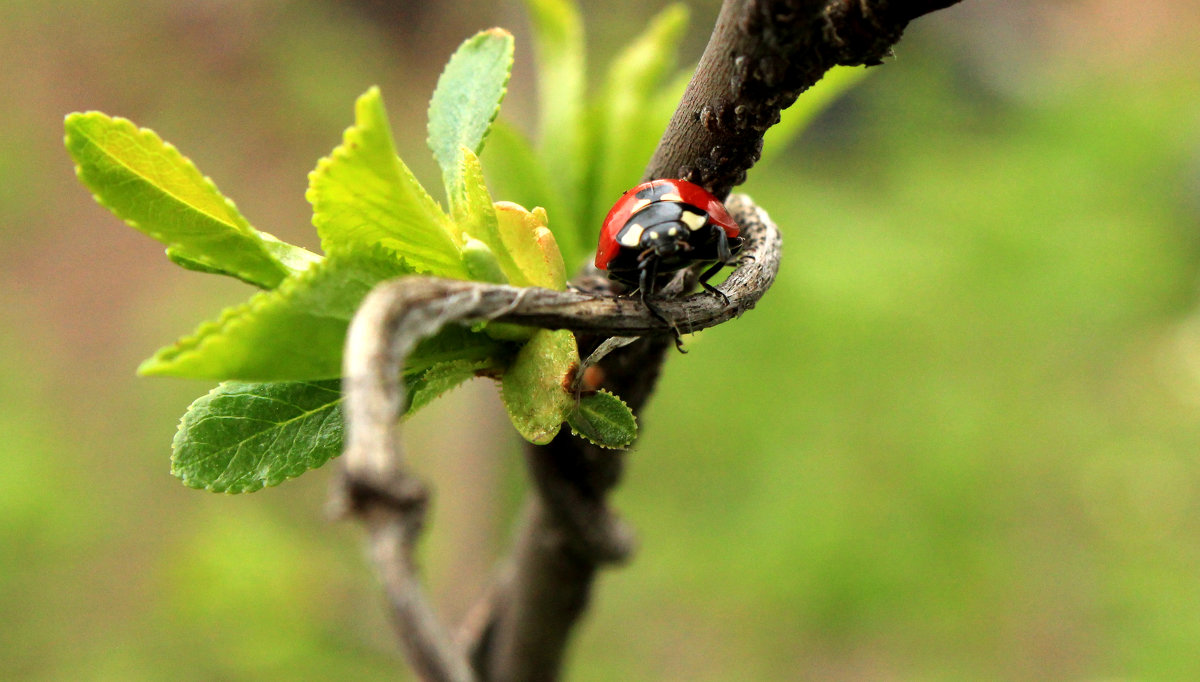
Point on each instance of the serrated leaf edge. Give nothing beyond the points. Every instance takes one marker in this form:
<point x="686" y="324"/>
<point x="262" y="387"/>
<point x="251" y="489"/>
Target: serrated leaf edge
<point x="176" y="443"/>
<point x="494" y="31"/>
<point x="239" y="222"/>
<point x="352" y="137"/>
<point x="210" y="331"/>
<point x="606" y="446"/>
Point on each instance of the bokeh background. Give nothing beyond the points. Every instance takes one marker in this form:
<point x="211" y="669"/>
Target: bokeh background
<point x="958" y="440"/>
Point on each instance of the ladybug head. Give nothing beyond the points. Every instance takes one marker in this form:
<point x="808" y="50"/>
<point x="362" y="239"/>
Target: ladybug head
<point x="665" y="240"/>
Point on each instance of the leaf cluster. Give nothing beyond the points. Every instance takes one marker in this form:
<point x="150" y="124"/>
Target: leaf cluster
<point x="277" y="412"/>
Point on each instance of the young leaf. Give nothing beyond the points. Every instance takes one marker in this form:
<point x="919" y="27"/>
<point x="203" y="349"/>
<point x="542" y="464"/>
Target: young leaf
<point x="364" y="195"/>
<point x="295" y="258"/>
<point x="294" y="332"/>
<point x="515" y="172"/>
<point x="559" y="49"/>
<point x="473" y="213"/>
<point x="534" y="387"/>
<point x="157" y="190"/>
<point x="242" y="437"/>
<point x="628" y="131"/>
<point x="481" y="262"/>
<point x="533" y="247"/>
<point x="604" y="419"/>
<point x="466" y="100"/>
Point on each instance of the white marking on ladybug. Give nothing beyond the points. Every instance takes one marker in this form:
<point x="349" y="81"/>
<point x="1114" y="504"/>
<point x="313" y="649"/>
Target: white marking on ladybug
<point x="631" y="236"/>
<point x="639" y="205"/>
<point x="693" y="220"/>
<point x="672" y="232"/>
<point x="671" y="197"/>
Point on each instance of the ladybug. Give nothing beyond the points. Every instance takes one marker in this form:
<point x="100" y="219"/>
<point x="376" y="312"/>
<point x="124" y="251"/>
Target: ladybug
<point x="662" y="226"/>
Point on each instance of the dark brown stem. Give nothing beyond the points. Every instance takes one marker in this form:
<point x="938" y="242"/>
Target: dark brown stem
<point x="762" y="55"/>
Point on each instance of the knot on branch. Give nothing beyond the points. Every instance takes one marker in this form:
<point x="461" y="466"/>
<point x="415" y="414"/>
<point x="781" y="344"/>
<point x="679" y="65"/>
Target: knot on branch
<point x="399" y="495"/>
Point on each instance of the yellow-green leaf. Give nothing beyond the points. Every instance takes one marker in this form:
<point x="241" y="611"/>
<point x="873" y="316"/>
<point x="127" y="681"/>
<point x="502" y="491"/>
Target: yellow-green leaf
<point x="535" y="388"/>
<point x="482" y="263"/>
<point x="471" y="206"/>
<point x="157" y="190"/>
<point x="363" y="195"/>
<point x="295" y="332"/>
<point x="531" y="245"/>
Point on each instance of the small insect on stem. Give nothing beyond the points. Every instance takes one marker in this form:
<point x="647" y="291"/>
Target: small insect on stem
<point x="661" y="227"/>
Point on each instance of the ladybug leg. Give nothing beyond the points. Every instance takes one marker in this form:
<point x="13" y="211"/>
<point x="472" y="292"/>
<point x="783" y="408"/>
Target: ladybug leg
<point x="707" y="275"/>
<point x="724" y="255"/>
<point x="647" y="273"/>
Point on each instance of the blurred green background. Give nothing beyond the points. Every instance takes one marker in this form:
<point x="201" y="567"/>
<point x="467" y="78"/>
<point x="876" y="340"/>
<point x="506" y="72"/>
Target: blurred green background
<point x="959" y="439"/>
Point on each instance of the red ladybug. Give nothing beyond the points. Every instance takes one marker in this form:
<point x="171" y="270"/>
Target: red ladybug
<point x="662" y="226"/>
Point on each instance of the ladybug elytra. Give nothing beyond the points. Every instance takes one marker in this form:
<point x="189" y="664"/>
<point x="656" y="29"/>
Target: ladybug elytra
<point x="662" y="226"/>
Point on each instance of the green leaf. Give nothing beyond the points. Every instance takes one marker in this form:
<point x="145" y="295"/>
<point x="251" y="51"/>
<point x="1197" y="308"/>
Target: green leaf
<point x="441" y="378"/>
<point x="559" y="49"/>
<point x="294" y="332"/>
<point x="534" y="389"/>
<point x="482" y="263"/>
<point x="604" y="419"/>
<point x="157" y="190"/>
<point x="795" y="119"/>
<point x="629" y="120"/>
<point x="475" y="215"/>
<point x="242" y="437"/>
<point x="297" y="332"/>
<point x="364" y="195"/>
<point x="293" y="257"/>
<point x="466" y="100"/>
<point x="517" y="175"/>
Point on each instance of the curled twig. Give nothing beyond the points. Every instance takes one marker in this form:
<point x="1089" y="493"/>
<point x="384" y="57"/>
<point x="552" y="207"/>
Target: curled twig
<point x="375" y="485"/>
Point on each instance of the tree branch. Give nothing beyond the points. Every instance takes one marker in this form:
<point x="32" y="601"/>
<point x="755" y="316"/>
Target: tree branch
<point x="762" y="55"/>
<point x="575" y="532"/>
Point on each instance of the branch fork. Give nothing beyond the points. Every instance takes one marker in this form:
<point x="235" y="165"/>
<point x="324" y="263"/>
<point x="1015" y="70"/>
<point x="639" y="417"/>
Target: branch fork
<point x="761" y="56"/>
<point x="569" y="512"/>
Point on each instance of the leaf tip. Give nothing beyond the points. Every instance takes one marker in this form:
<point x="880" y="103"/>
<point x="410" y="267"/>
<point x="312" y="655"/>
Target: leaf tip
<point x="151" y="366"/>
